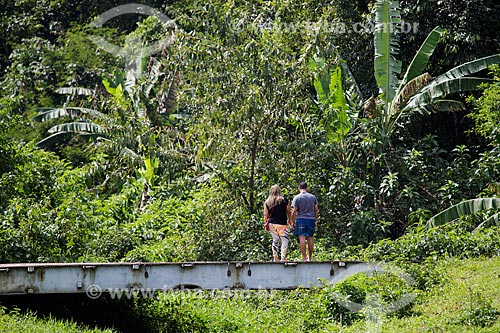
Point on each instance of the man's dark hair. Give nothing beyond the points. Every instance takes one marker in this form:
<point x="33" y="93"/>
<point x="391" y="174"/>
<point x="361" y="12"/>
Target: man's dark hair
<point x="303" y="186"/>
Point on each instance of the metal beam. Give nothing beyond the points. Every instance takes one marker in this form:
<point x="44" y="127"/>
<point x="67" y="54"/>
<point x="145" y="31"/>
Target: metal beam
<point x="39" y="278"/>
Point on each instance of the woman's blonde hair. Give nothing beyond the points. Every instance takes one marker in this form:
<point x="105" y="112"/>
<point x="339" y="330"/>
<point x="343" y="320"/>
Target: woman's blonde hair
<point x="275" y="197"/>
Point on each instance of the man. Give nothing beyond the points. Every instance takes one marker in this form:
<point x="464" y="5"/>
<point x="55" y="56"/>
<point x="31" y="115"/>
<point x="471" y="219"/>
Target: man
<point x="305" y="214"/>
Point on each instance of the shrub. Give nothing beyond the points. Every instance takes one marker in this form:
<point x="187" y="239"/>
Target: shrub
<point x="441" y="242"/>
<point x="169" y="314"/>
<point x="383" y="288"/>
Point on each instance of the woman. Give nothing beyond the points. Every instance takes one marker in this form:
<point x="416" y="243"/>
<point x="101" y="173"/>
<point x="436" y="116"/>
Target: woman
<point x="277" y="213"/>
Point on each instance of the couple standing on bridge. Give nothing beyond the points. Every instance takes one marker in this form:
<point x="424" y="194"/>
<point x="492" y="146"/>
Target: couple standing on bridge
<point x="301" y="215"/>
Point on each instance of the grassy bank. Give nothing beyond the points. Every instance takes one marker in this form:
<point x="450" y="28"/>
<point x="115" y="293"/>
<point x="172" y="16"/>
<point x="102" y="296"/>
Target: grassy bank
<point x="28" y="323"/>
<point x="468" y="302"/>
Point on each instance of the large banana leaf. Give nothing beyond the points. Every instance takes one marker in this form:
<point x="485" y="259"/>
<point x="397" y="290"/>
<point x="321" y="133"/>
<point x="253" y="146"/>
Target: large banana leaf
<point x="321" y="79"/>
<point x="468" y="68"/>
<point x="421" y="58"/>
<point x="493" y="219"/>
<point x="61" y="137"/>
<point x="72" y="112"/>
<point x="78" y="127"/>
<point x="387" y="67"/>
<point x="409" y="90"/>
<point x="76" y="91"/>
<point x="353" y="93"/>
<point x="150" y="169"/>
<point x="451" y="82"/>
<point x="329" y="85"/>
<point x="440" y="105"/>
<point x="433" y="91"/>
<point x="337" y="99"/>
<point x="394" y="113"/>
<point x="467" y="207"/>
<point x="337" y="85"/>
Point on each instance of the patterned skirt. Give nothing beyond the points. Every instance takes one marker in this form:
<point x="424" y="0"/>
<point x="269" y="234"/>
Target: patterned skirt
<point x="279" y="229"/>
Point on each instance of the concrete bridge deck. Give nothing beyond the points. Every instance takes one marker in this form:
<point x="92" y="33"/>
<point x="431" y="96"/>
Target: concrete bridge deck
<point x="50" y="278"/>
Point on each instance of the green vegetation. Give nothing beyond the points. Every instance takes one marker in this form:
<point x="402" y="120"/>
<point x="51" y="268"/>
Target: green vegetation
<point x="169" y="156"/>
<point x="16" y="322"/>
<point x="467" y="302"/>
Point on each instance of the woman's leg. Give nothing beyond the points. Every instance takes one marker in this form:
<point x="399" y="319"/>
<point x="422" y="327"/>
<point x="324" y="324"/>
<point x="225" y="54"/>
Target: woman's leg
<point x="284" y="246"/>
<point x="276" y="241"/>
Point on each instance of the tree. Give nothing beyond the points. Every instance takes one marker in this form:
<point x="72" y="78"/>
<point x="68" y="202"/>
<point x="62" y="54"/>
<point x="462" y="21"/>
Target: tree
<point x="487" y="109"/>
<point x="246" y="100"/>
<point x="471" y="30"/>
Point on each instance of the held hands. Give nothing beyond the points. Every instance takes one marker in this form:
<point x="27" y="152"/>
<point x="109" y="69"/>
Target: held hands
<point x="266" y="225"/>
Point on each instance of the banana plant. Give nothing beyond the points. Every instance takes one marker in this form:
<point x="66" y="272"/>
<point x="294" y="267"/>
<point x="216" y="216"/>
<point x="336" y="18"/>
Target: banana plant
<point x="338" y="111"/>
<point x="467" y="207"/>
<point x="400" y="93"/>
<point x="131" y="101"/>
<point x="147" y="176"/>
<point x="83" y="124"/>
<point x="416" y="91"/>
<point x="338" y="101"/>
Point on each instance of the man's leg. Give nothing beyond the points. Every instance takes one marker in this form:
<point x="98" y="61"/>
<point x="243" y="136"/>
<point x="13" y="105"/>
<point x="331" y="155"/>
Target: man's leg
<point x="310" y="247"/>
<point x="302" y="241"/>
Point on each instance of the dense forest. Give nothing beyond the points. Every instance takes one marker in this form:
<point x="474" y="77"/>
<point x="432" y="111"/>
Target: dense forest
<point x="157" y="138"/>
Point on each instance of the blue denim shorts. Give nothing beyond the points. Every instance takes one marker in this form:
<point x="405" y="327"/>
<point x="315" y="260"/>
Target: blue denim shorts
<point x="304" y="227"/>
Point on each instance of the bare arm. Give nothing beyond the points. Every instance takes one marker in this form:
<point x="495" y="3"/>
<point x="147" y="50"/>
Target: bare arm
<point x="316" y="214"/>
<point x="288" y="214"/>
<point x="266" y="213"/>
